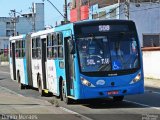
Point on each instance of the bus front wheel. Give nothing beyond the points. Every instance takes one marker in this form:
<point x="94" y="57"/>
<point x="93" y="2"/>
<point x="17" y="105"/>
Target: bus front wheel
<point x="63" y="94"/>
<point x="118" y="98"/>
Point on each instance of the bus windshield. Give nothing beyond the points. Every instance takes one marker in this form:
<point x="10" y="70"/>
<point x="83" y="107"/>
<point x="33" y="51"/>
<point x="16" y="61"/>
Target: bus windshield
<point x="109" y="52"/>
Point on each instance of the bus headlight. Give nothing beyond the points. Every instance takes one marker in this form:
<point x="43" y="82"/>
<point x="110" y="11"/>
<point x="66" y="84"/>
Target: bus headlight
<point x="86" y="82"/>
<point x="136" y="79"/>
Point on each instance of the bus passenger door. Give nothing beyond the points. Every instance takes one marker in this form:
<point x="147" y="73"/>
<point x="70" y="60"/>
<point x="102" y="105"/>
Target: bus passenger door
<point x="13" y="61"/>
<point x="43" y="51"/>
<point x="69" y="66"/>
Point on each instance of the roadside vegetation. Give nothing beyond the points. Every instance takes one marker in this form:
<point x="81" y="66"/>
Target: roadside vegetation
<point x="4" y="58"/>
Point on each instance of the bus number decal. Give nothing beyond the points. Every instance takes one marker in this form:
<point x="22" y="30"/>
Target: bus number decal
<point x="104" y="28"/>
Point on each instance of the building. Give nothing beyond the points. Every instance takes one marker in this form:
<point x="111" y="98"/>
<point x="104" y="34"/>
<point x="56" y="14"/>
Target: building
<point x="24" y="24"/>
<point x="79" y="11"/>
<point x="145" y="13"/>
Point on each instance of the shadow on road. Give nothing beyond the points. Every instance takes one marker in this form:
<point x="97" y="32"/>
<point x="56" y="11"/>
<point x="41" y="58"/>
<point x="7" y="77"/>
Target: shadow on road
<point x="2" y="78"/>
<point x="153" y="89"/>
<point x="106" y="103"/>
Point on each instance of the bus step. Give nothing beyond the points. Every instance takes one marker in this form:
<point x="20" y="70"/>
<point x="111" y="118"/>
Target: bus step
<point x="70" y="97"/>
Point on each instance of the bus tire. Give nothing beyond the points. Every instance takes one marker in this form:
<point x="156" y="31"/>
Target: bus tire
<point x="118" y="98"/>
<point x="20" y="85"/>
<point x="63" y="94"/>
<point x="40" y="86"/>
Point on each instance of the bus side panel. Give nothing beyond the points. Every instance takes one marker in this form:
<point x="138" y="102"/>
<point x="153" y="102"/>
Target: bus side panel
<point x="11" y="67"/>
<point x="36" y="69"/>
<point x="52" y="76"/>
<point x="12" y="61"/>
<point x="20" y="68"/>
<point x="60" y="73"/>
<point x="77" y="83"/>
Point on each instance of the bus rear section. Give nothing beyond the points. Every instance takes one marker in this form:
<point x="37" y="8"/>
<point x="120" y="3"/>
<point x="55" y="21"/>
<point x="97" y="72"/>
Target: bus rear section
<point x="108" y="60"/>
<point x="18" y="60"/>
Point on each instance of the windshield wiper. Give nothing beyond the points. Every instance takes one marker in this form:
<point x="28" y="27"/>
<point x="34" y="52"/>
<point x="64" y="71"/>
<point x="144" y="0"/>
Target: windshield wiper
<point x="105" y="67"/>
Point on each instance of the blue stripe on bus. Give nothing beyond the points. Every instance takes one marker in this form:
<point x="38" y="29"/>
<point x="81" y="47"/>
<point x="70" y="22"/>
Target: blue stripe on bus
<point x="25" y="71"/>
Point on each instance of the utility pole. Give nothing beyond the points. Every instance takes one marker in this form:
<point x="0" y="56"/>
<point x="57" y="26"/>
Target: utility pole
<point x="127" y="6"/>
<point x="78" y="4"/>
<point x="65" y="11"/>
<point x="33" y="18"/>
<point x="14" y="21"/>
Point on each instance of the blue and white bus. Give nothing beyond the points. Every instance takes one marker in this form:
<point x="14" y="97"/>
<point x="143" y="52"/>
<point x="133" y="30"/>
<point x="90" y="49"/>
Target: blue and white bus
<point x="18" y="60"/>
<point x="85" y="60"/>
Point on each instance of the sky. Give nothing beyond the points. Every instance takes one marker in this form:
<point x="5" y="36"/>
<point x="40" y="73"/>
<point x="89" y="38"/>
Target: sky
<point x="51" y="15"/>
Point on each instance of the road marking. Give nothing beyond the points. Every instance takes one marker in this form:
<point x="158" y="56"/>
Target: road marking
<point x="4" y="72"/>
<point x="150" y="91"/>
<point x="142" y="104"/>
<point x="13" y="92"/>
<point x="72" y="112"/>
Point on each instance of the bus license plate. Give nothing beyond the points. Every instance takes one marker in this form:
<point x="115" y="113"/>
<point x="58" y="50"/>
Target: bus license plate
<point x="112" y="92"/>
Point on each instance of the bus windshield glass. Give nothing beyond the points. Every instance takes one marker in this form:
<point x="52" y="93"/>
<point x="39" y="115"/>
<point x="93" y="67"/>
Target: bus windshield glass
<point x="109" y="52"/>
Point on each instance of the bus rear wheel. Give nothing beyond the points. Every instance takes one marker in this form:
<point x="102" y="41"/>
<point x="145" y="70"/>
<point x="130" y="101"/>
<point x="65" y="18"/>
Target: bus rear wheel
<point x="63" y="94"/>
<point x="20" y="85"/>
<point x="118" y="98"/>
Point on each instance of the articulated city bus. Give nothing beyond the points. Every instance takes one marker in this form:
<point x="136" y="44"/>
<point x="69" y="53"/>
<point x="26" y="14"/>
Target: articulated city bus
<point x="82" y="60"/>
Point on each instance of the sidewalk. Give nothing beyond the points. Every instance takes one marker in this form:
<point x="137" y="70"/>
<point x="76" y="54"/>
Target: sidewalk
<point x="155" y="83"/>
<point x="11" y="103"/>
<point x="17" y="107"/>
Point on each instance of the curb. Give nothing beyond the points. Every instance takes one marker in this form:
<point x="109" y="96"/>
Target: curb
<point x="4" y="63"/>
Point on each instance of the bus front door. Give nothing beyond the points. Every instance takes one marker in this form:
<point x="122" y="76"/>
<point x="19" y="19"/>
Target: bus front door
<point x="43" y="51"/>
<point x="13" y="61"/>
<point x="69" y="66"/>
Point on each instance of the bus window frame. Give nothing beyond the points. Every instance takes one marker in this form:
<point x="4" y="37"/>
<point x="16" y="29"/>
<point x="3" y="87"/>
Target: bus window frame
<point x="36" y="47"/>
<point x="20" y="48"/>
<point x="60" y="45"/>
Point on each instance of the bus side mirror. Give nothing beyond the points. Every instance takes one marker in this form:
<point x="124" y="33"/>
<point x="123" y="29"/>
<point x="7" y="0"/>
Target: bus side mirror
<point x="72" y="45"/>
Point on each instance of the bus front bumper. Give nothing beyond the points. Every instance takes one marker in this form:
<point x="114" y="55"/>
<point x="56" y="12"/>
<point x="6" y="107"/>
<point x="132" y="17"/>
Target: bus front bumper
<point x="105" y="92"/>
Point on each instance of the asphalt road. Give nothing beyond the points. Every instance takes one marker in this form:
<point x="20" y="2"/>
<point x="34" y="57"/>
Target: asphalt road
<point x="135" y="107"/>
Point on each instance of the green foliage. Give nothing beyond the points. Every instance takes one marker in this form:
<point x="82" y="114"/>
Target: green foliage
<point x="4" y="58"/>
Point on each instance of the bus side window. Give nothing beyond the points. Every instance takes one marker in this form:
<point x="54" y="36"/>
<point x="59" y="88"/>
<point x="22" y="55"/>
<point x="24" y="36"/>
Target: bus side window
<point x="49" y="46"/>
<point x="38" y="47"/>
<point x="17" y="49"/>
<point x="10" y="49"/>
<point x="20" y="48"/>
<point x="34" y="48"/>
<point x="60" y="45"/>
<point x="55" y="44"/>
<point x="23" y="48"/>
